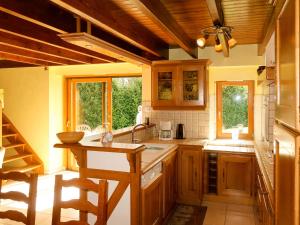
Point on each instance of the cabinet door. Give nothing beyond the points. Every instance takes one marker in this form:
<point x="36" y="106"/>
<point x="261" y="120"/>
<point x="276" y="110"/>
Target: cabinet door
<point x="152" y="202"/>
<point x="192" y="80"/>
<point x="235" y="175"/>
<point x="169" y="183"/>
<point x="164" y="85"/>
<point x="190" y="177"/>
<point x="287" y="38"/>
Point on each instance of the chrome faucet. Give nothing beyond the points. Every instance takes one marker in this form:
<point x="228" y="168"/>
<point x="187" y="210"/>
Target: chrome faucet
<point x="133" y="131"/>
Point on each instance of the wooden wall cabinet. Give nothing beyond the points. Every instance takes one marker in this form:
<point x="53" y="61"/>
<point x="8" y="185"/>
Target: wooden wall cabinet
<point x="178" y="84"/>
<point x="152" y="202"/>
<point x="169" y="167"/>
<point x="235" y="175"/>
<point x="190" y="175"/>
<point x="288" y="65"/>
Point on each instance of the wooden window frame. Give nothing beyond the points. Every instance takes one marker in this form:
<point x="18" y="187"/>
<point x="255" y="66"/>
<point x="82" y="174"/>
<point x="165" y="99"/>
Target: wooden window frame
<point x="71" y="113"/>
<point x="250" y="85"/>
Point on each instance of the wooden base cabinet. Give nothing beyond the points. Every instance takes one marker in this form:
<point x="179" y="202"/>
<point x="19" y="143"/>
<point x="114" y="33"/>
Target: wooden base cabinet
<point x="169" y="167"/>
<point x="152" y="202"/>
<point x="190" y="175"/>
<point x="235" y="175"/>
<point x="263" y="205"/>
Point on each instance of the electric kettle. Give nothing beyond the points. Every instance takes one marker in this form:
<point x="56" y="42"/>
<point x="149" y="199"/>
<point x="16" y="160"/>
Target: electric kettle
<point x="180" y="133"/>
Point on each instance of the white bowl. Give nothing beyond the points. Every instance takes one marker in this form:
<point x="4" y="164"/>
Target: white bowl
<point x="71" y="137"/>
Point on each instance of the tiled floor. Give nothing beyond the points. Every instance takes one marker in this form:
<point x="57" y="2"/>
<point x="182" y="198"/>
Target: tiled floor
<point x="228" y="214"/>
<point x="217" y="213"/>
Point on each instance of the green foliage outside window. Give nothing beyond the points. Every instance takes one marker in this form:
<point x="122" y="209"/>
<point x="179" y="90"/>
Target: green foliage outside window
<point x="235" y="106"/>
<point x="126" y="97"/>
<point x="90" y="104"/>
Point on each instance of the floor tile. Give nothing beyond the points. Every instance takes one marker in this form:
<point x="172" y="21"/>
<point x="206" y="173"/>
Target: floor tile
<point x="238" y="219"/>
<point x="214" y="216"/>
<point x="240" y="208"/>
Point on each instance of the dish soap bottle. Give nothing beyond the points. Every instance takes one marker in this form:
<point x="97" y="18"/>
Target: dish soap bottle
<point x="107" y="136"/>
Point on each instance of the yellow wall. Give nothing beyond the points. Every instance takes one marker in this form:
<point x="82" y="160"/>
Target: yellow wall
<point x="26" y="105"/>
<point x="35" y="104"/>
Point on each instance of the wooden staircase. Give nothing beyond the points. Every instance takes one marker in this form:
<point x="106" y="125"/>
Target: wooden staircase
<point x="19" y="156"/>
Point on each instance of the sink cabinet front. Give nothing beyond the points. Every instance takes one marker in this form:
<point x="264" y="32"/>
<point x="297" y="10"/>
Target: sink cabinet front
<point x="179" y="84"/>
<point x="190" y="175"/>
<point x="152" y="202"/>
<point x="169" y="167"/>
<point x="235" y="175"/>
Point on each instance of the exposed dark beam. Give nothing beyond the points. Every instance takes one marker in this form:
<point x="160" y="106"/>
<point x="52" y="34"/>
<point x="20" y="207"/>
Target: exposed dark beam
<point x="29" y="60"/>
<point x="31" y="31"/>
<point x="215" y="11"/>
<point x="41" y="13"/>
<point x="158" y="13"/>
<point x="270" y="26"/>
<point x="37" y="47"/>
<point x="35" y="55"/>
<point x="100" y="13"/>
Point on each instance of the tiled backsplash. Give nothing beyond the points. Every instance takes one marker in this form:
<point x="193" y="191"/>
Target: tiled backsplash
<point x="196" y="121"/>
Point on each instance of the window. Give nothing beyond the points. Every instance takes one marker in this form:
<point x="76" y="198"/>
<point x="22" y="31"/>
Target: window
<point x="94" y="103"/>
<point x="235" y="108"/>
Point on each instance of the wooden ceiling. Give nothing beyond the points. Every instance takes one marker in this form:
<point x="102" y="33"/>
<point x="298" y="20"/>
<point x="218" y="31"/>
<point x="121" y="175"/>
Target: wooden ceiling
<point x="29" y="30"/>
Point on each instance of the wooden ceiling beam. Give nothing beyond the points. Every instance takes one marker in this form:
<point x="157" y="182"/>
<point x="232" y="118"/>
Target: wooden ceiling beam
<point x="158" y="13"/>
<point x="22" y="59"/>
<point x="37" y="47"/>
<point x="270" y="26"/>
<point x="102" y="14"/>
<point x="31" y="31"/>
<point x="41" y="13"/>
<point x="35" y="55"/>
<point x="215" y="11"/>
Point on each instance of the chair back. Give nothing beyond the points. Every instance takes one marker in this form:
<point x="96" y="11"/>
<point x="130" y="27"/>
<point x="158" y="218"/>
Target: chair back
<point x="83" y="205"/>
<point x="30" y="199"/>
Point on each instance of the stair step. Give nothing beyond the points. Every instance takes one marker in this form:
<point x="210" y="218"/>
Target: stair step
<point x="9" y="135"/>
<point x="22" y="169"/>
<point x="14" y="145"/>
<point x="5" y="124"/>
<point x="16" y="157"/>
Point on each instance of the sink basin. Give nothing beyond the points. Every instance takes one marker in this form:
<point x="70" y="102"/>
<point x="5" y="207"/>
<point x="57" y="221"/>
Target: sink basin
<point x="150" y="147"/>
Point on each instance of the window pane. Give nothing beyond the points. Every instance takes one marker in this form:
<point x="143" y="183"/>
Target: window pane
<point x="165" y="85"/>
<point x="190" y="85"/>
<point x="235" y="109"/>
<point x="90" y="112"/>
<point x="126" y="98"/>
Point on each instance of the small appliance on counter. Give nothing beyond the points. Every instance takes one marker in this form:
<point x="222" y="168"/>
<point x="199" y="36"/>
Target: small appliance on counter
<point x="165" y="132"/>
<point x="180" y="133"/>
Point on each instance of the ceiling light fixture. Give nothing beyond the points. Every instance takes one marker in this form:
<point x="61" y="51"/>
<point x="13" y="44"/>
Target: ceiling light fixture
<point x="217" y="31"/>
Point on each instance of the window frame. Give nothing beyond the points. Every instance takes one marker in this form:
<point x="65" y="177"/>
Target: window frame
<point x="219" y="116"/>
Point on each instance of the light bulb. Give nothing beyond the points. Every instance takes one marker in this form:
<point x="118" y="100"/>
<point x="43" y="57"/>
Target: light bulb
<point x="232" y="42"/>
<point x="201" y="42"/>
<point x="218" y="47"/>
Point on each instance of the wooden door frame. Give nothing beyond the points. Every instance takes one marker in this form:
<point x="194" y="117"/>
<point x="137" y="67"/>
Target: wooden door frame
<point x="219" y="122"/>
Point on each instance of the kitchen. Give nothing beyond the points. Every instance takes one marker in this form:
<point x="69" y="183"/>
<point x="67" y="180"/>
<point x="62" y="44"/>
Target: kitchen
<point x="249" y="172"/>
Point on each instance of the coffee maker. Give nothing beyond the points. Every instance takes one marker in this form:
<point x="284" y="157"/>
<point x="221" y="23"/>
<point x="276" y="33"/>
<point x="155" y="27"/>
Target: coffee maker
<point x="165" y="130"/>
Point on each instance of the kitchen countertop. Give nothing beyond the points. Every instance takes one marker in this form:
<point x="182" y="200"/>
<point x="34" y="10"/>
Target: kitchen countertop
<point x="186" y="141"/>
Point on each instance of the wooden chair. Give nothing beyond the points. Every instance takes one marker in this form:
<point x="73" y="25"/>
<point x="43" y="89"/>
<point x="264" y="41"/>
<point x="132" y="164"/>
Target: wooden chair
<point x="30" y="200"/>
<point x="100" y="211"/>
